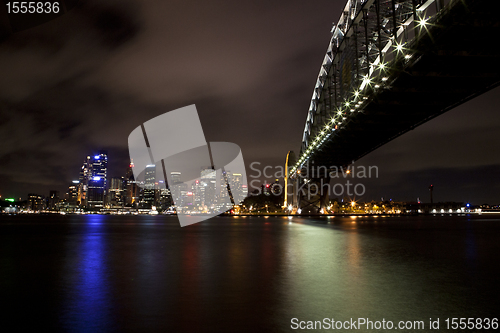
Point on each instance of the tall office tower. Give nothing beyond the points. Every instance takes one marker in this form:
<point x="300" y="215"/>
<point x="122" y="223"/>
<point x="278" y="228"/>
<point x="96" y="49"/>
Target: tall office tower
<point x="208" y="179"/>
<point x="73" y="194"/>
<point x="182" y="194"/>
<point x="223" y="189"/>
<point x="116" y="192"/>
<point x="176" y="177"/>
<point x="131" y="188"/>
<point x="53" y="199"/>
<point x="97" y="181"/>
<point x="198" y="190"/>
<point x="176" y="186"/>
<point x="238" y="189"/>
<point x="149" y="186"/>
<point x="165" y="200"/>
<point x="85" y="173"/>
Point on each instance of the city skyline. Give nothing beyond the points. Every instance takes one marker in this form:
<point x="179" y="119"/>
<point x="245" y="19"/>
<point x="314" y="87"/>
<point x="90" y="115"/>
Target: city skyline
<point x="95" y="191"/>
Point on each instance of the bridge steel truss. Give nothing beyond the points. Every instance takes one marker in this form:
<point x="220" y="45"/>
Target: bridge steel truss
<point x="381" y="74"/>
<point x="390" y="66"/>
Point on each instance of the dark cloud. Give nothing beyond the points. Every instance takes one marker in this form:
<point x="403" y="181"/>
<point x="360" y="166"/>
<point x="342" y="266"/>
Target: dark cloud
<point x="84" y="81"/>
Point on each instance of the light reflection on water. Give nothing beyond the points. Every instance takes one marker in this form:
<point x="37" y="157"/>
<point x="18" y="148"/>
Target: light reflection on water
<point x="144" y="273"/>
<point x="86" y="281"/>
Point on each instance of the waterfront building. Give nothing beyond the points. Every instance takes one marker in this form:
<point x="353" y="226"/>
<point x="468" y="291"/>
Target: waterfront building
<point x="148" y="198"/>
<point x="116" y="192"/>
<point x="131" y="188"/>
<point x="92" y="185"/>
<point x="73" y="195"/>
<point x="35" y="202"/>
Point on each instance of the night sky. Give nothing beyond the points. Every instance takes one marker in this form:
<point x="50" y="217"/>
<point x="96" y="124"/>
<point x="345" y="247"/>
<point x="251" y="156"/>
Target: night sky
<point x="84" y="81"/>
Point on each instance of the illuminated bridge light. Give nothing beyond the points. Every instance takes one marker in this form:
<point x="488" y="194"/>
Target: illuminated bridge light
<point x="408" y="56"/>
<point x="384" y="79"/>
<point x="422" y="22"/>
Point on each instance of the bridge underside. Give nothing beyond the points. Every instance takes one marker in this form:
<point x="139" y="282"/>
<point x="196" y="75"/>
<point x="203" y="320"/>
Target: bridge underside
<point x="457" y="61"/>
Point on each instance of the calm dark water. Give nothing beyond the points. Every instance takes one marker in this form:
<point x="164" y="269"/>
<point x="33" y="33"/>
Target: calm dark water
<point x="248" y="274"/>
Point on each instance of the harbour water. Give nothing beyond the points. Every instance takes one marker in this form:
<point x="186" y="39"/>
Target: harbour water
<point x="244" y="274"/>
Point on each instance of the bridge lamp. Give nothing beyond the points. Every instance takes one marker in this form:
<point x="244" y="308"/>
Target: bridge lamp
<point x="422" y="22"/>
<point x="408" y="56"/>
<point x="385" y="79"/>
<point x="377" y="86"/>
<point x="381" y="65"/>
<point x="399" y="47"/>
<point x="356" y="93"/>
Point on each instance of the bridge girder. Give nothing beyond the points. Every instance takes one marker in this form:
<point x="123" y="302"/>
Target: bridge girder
<point x="429" y="69"/>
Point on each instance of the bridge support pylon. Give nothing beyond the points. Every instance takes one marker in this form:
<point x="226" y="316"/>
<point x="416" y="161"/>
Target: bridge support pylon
<point x="313" y="195"/>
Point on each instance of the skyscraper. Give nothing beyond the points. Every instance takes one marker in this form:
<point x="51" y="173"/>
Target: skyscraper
<point x="85" y="173"/>
<point x="149" y="186"/>
<point x="95" y="172"/>
<point x="116" y="192"/>
<point x="208" y="179"/>
<point x="73" y="194"/>
<point x="131" y="188"/>
<point x="53" y="199"/>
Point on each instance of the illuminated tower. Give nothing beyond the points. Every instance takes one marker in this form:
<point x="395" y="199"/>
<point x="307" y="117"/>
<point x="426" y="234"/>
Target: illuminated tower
<point x="97" y="180"/>
<point x="149" y="186"/>
<point x="208" y="179"/>
<point x="131" y="188"/>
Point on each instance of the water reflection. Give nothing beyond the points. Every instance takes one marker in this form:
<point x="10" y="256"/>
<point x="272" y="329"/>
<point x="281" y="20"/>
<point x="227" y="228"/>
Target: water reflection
<point x="142" y="273"/>
<point x="87" y="287"/>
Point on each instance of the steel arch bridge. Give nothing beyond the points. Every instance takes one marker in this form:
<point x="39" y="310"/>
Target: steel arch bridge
<point x="390" y="66"/>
